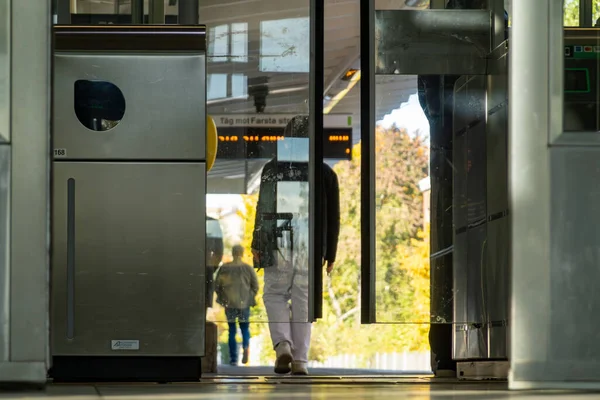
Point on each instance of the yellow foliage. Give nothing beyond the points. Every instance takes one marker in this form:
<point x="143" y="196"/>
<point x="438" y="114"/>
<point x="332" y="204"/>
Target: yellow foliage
<point x="402" y="259"/>
<point x="414" y="259"/>
<point x="248" y="214"/>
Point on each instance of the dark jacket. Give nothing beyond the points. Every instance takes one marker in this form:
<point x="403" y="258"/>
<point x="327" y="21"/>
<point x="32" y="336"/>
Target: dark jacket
<point x="263" y="240"/>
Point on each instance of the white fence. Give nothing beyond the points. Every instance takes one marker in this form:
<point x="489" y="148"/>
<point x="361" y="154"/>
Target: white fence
<point x="401" y="362"/>
<point x="407" y="362"/>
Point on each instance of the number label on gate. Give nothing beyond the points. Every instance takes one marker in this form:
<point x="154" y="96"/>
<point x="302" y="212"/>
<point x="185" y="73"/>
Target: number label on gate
<point x="60" y="152"/>
<point x="125" y="344"/>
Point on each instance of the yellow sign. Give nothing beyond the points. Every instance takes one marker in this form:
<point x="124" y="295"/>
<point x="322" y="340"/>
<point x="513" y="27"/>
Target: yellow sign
<point x="212" y="142"/>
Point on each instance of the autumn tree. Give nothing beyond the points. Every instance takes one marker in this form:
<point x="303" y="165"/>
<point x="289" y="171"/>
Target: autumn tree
<point x="571" y="13"/>
<point x="402" y="255"/>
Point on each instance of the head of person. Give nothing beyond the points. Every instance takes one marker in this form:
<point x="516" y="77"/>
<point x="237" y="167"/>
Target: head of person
<point x="297" y="127"/>
<point x="237" y="251"/>
<point x="295" y="143"/>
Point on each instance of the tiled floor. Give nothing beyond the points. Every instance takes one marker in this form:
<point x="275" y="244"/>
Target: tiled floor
<point x="266" y="371"/>
<point x="351" y="388"/>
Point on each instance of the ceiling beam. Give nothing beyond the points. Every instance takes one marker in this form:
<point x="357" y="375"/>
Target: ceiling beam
<point x="341" y="69"/>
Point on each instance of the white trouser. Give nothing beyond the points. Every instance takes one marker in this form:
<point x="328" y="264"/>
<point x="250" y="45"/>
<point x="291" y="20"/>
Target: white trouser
<point x="288" y="281"/>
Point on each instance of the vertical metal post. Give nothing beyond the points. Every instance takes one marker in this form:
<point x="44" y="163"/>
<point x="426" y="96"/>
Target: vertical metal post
<point x="316" y="88"/>
<point x="586" y="16"/>
<point x="188" y="11"/>
<point x="367" y="163"/>
<point x="30" y="122"/>
<point x="529" y="187"/>
<point x="156" y="12"/>
<point x="137" y="12"/>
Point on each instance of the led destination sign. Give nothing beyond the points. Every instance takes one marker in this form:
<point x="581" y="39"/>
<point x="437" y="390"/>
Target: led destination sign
<point x="256" y="137"/>
<point x="241" y="143"/>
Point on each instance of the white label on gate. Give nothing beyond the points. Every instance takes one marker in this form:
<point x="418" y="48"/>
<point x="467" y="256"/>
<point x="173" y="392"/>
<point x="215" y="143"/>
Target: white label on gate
<point x="125" y="345"/>
<point x="60" y="152"/>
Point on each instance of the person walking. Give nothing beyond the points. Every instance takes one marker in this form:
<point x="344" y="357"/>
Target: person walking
<point x="281" y="242"/>
<point x="236" y="285"/>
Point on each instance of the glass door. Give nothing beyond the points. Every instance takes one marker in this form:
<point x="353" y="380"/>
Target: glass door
<point x="435" y="196"/>
<point x="263" y="94"/>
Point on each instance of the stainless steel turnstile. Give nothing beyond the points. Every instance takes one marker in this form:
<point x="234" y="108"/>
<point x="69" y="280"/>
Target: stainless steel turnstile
<point x="481" y="267"/>
<point x="128" y="262"/>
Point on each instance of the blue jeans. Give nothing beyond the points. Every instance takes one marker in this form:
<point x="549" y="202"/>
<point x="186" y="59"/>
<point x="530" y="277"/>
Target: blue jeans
<point x="243" y="316"/>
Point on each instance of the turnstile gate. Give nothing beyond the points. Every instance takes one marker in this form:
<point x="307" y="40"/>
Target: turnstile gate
<point x="129" y="185"/>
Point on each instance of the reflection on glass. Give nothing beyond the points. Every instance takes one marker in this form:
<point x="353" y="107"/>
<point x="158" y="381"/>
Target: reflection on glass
<point x="239" y="85"/>
<point x="218" y="43"/>
<point x="293" y="150"/>
<point x="422" y="4"/>
<point x="284" y="45"/>
<point x="239" y="42"/>
<point x="93" y="7"/>
<point x="216" y="86"/>
<point x="581" y="101"/>
<point x="402" y="4"/>
<point x="122" y="7"/>
<point x="280" y="232"/>
<point x="292" y="197"/>
<point x="214" y="255"/>
<point x="402" y="236"/>
<point x="228" y="42"/>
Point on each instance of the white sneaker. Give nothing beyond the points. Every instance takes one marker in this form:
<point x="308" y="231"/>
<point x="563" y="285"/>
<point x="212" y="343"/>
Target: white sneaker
<point x="299" y="368"/>
<point x="283" y="352"/>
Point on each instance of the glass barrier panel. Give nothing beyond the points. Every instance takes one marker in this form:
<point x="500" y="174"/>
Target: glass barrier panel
<point x="258" y="81"/>
<point x="257" y="191"/>
<point x="100" y="7"/>
<point x="116" y="11"/>
<point x="402" y="202"/>
<point x="441" y="173"/>
<point x="441" y="192"/>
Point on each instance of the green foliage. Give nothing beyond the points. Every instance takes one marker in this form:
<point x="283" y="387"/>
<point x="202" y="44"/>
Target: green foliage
<point x="402" y="257"/>
<point x="572" y="9"/>
<point x="571" y="12"/>
<point x="258" y="314"/>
